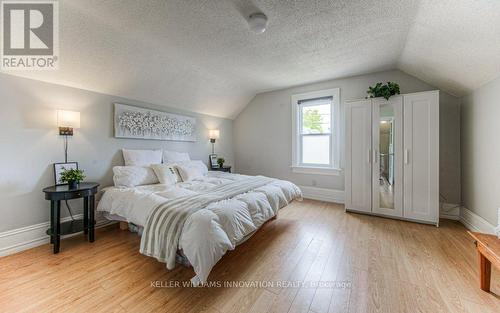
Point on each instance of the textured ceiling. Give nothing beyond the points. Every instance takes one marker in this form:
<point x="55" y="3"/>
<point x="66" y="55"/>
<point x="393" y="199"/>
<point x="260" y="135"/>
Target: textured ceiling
<point x="199" y="54"/>
<point x="454" y="44"/>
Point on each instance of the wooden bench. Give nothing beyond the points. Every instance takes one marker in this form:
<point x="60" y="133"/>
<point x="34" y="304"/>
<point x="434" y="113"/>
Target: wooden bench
<point x="488" y="250"/>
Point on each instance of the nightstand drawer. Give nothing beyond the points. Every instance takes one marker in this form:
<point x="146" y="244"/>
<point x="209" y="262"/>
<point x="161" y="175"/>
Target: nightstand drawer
<point x="78" y="194"/>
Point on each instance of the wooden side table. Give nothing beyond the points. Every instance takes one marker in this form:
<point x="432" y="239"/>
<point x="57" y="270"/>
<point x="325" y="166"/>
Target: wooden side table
<point x="488" y="251"/>
<point x="55" y="194"/>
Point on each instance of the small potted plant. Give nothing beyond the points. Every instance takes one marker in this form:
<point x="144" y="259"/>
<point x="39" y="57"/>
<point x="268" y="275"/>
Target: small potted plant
<point x="72" y="177"/>
<point x="221" y="161"/>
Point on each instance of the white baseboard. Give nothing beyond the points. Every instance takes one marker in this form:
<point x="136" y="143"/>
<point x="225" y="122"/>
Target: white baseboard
<point x="449" y="216"/>
<point x="475" y="222"/>
<point x="322" y="194"/>
<point x="24" y="238"/>
<point x="450" y="211"/>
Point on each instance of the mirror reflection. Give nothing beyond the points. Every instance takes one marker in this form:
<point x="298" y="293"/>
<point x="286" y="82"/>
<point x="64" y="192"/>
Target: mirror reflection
<point x="386" y="149"/>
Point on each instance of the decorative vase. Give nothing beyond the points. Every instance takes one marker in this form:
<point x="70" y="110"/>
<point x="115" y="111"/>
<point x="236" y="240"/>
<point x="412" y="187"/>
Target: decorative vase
<point x="73" y="184"/>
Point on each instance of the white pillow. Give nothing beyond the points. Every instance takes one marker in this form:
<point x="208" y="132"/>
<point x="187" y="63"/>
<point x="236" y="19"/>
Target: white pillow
<point x="198" y="164"/>
<point x="172" y="156"/>
<point x="166" y="173"/>
<point x="141" y="157"/>
<point x="189" y="173"/>
<point x="192" y="170"/>
<point x="130" y="176"/>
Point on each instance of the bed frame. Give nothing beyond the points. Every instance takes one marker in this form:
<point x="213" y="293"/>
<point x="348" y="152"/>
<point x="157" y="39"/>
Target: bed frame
<point x="124" y="225"/>
<point x="180" y="258"/>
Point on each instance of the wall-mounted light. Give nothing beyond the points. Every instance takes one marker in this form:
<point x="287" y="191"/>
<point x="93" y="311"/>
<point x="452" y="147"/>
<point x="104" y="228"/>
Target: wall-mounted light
<point x="67" y="121"/>
<point x="213" y="134"/>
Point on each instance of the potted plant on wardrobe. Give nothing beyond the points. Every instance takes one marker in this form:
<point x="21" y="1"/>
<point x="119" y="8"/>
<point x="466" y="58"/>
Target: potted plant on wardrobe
<point x="381" y="90"/>
<point x="72" y="177"/>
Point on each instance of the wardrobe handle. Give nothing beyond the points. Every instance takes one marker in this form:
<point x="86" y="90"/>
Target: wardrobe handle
<point x="369" y="156"/>
<point x="407" y="156"/>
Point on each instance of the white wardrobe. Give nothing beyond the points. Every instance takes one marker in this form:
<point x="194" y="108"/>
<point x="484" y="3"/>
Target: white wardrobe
<point x="392" y="156"/>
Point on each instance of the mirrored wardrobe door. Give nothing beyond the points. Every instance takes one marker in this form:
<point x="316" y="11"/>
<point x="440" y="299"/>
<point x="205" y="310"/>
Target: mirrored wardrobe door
<point x="387" y="175"/>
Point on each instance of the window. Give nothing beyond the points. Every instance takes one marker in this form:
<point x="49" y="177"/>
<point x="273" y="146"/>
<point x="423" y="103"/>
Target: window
<point x="315" y="142"/>
<point x="315" y="131"/>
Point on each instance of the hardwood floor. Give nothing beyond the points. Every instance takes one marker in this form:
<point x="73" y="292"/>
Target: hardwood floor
<point x="380" y="265"/>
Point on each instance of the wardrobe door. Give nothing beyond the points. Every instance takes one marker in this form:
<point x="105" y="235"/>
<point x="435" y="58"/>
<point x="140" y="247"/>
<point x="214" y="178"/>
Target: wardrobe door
<point x="358" y="156"/>
<point x="387" y="169"/>
<point x="421" y="156"/>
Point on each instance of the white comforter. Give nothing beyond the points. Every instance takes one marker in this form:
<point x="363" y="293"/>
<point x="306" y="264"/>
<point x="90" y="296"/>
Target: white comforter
<point x="208" y="233"/>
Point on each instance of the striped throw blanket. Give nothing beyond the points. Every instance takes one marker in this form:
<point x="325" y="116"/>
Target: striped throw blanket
<point x="160" y="238"/>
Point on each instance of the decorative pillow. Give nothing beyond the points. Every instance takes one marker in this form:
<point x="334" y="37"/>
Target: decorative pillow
<point x="166" y="173"/>
<point x="131" y="176"/>
<point x="191" y="170"/>
<point x="173" y="157"/>
<point x="141" y="157"/>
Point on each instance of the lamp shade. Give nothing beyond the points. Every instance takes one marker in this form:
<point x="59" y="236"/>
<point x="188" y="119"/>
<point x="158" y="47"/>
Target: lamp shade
<point x="68" y="119"/>
<point x="213" y="134"/>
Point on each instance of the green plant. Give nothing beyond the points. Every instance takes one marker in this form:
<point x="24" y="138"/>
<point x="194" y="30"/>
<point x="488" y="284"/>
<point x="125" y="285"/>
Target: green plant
<point x="221" y="161"/>
<point x="380" y="90"/>
<point x="72" y="175"/>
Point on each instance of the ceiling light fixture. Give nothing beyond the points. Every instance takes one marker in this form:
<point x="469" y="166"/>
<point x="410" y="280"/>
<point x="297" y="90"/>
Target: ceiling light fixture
<point x="257" y="22"/>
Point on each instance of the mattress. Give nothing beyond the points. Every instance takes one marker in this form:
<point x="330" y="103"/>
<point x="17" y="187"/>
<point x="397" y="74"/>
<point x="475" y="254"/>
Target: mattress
<point x="211" y="231"/>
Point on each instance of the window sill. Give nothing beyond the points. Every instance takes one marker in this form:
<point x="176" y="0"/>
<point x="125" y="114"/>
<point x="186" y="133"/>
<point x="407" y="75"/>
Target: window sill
<point x="316" y="170"/>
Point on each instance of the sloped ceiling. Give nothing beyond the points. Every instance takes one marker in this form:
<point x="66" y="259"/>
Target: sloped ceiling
<point x="199" y="55"/>
<point x="454" y="44"/>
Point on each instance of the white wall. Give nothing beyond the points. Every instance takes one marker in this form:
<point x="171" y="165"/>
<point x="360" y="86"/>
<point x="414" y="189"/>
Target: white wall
<point x="30" y="143"/>
<point x="263" y="135"/>
<point x="480" y="134"/>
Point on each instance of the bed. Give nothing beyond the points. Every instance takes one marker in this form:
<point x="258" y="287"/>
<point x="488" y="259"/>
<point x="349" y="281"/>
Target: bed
<point x="195" y="220"/>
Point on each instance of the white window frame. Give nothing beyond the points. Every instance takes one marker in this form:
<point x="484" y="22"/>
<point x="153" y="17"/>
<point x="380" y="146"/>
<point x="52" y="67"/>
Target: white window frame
<point x="334" y="167"/>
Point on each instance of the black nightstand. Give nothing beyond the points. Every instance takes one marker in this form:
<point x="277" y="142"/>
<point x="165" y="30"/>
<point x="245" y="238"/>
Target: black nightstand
<point x="222" y="169"/>
<point x="55" y="194"/>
